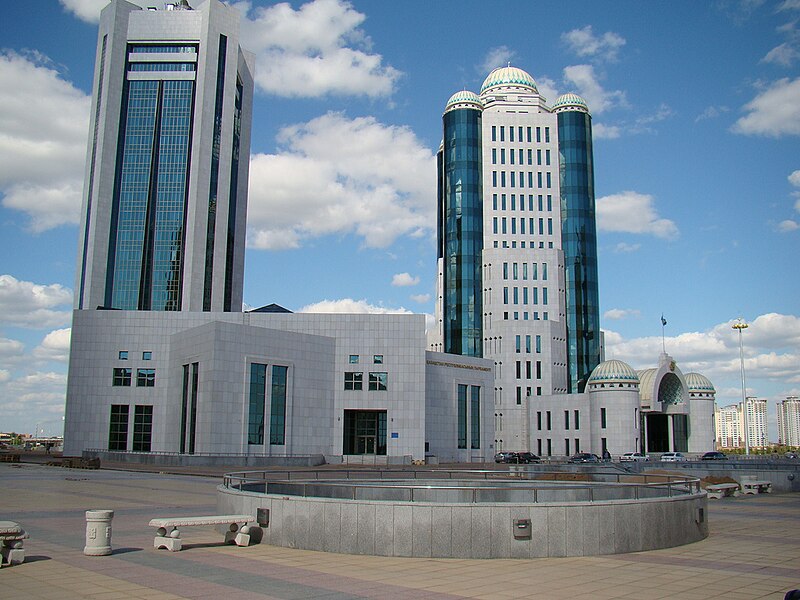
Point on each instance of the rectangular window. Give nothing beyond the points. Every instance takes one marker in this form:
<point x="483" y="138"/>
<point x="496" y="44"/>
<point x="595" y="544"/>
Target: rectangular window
<point x="538" y="369"/>
<point x="354" y="359"/>
<point x="544" y="295"/>
<point x="257" y="403"/>
<point x="503" y="225"/>
<point x="522" y="229"/>
<point x="566" y="446"/>
<point x="538" y="343"/>
<point x="602" y="418"/>
<point x="549" y="226"/>
<point x="142" y="428"/>
<point x="147" y="356"/>
<point x="535" y="295"/>
<point x="549" y="202"/>
<point x="502" y="179"/>
<point x="122" y="377"/>
<point x="519" y="369"/>
<point x="513" y="225"/>
<point x="505" y="295"/>
<point x="502" y="156"/>
<point x="539" y="446"/>
<point x="145" y="378"/>
<point x="577" y="419"/>
<point x="505" y="270"/>
<point x="462" y="414"/>
<point x="511" y="156"/>
<point x="549" y="179"/>
<point x="539" y="157"/>
<point x="518" y="343"/>
<point x="123" y="355"/>
<point x="494" y="201"/>
<point x="377" y="359"/>
<point x="494" y="133"/>
<point x="354" y="380"/>
<point x="277" y="412"/>
<point x="377" y="382"/>
<point x="118" y="428"/>
<point x="544" y="271"/>
<point x="527" y="369"/>
<point x="547" y="157"/>
<point x="549" y="447"/>
<point x="546" y="134"/>
<point x="577" y="445"/>
<point x="502" y="133"/>
<point x="494" y="178"/>
<point x="513" y="179"/>
<point x="530" y="179"/>
<point x="524" y="295"/>
<point x="494" y="225"/>
<point x="528" y="344"/>
<point x="539" y="423"/>
<point x="521" y="155"/>
<point x="529" y="135"/>
<point x="549" y="421"/>
<point x="538" y="134"/>
<point x="475" y="416"/>
<point x="494" y="156"/>
<point x="524" y="270"/>
<point x="566" y="420"/>
<point x="519" y="396"/>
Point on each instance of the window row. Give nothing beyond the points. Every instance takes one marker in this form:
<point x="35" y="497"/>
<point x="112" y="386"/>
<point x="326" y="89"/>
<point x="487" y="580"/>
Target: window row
<point x="529" y="369"/>
<point x="142" y="427"/>
<point x="516" y="271"/>
<point x="500" y="226"/>
<point x="528" y="339"/>
<point x="545" y="447"/>
<point x="501" y="130"/>
<point x="516" y="298"/>
<point x="503" y="205"/>
<point x="144" y="377"/>
<point x="354" y="380"/>
<point x="377" y="359"/>
<point x="548" y="420"/>
<point x="519" y="156"/>
<point x="517" y="179"/>
<point x="496" y="244"/>
<point x="526" y="315"/>
<point x="123" y="355"/>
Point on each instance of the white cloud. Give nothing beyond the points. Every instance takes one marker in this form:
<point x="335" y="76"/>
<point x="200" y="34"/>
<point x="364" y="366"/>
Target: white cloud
<point x="11" y="351"/>
<point x="86" y="10"/>
<point x="616" y="314"/>
<point x="586" y="81"/>
<point x="784" y="54"/>
<point x="605" y="132"/>
<point x="404" y="279"/>
<point x="54" y="346"/>
<point x="794" y="178"/>
<point x="774" y="112"/>
<point x="631" y="212"/>
<point x="624" y="247"/>
<point x="314" y="51"/>
<point x="43" y="131"/>
<point x="548" y="89"/>
<point x="585" y="43"/>
<point x="336" y="175"/>
<point x="711" y="112"/>
<point x="421" y="298"/>
<point x="40" y="394"/>
<point x="350" y="306"/>
<point x="26" y="304"/>
<point x="788" y="225"/>
<point x="496" y="57"/>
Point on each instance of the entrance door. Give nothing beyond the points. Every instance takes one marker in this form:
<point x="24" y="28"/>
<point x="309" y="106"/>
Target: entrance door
<point x="364" y="432"/>
<point x="365" y="444"/>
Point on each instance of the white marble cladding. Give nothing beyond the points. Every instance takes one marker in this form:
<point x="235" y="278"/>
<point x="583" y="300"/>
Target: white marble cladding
<point x="317" y="349"/>
<point x="473" y="530"/>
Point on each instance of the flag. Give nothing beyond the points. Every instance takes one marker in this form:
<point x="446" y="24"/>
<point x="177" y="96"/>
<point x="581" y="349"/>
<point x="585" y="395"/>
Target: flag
<point x="663" y="321"/>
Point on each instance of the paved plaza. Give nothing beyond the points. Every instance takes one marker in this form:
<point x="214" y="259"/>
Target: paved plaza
<point x="753" y="551"/>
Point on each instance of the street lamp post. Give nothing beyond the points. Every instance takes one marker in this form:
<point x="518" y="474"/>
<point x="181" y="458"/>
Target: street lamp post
<point x="739" y="326"/>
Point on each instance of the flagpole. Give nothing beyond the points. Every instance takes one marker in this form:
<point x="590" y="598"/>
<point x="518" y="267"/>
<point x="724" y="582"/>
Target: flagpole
<point x="663" y="325"/>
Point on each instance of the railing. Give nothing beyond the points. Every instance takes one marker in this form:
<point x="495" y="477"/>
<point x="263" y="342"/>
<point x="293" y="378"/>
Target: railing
<point x="494" y="486"/>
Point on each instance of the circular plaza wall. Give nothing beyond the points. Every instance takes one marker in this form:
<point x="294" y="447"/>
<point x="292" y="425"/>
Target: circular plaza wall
<point x="461" y="515"/>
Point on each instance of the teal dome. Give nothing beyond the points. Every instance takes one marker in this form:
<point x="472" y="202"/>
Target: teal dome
<point x="699" y="383"/>
<point x="613" y="371"/>
<point x="464" y="99"/>
<point x="505" y="76"/>
<point x="570" y="102"/>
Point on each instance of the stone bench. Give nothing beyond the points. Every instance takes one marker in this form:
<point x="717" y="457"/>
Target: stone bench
<point x="756" y="486"/>
<point x="168" y="536"/>
<point x="11" y="540"/>
<point x="717" y="490"/>
<point x="9" y="457"/>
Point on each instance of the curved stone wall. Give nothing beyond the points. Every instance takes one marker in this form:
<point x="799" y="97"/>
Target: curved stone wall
<point x="474" y="530"/>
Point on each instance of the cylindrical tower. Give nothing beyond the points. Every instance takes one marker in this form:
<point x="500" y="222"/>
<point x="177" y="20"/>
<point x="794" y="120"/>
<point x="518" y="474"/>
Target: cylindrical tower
<point x="461" y="231"/>
<point x="578" y="238"/>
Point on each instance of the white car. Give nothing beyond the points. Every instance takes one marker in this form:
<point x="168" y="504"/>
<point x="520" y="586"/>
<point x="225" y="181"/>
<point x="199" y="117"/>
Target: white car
<point x="673" y="457"/>
<point x="633" y="457"/>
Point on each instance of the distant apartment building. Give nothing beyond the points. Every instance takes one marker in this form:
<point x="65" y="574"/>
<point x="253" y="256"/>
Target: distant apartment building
<point x="756" y="422"/>
<point x="728" y="426"/>
<point x="789" y="421"/>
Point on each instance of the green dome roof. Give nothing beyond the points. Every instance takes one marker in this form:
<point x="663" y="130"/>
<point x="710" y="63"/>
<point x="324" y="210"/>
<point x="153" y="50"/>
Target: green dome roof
<point x="613" y="371"/>
<point x="699" y="383"/>
<point x="503" y="76"/>
<point x="464" y="99"/>
<point x="570" y="102"/>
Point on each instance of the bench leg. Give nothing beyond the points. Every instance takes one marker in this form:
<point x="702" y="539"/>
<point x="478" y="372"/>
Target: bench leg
<point x="12" y="552"/>
<point x="171" y="541"/>
<point x="240" y="537"/>
<point x="751" y="491"/>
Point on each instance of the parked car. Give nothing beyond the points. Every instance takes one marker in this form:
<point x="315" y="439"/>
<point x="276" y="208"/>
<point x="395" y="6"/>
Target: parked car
<point x="714" y="456"/>
<point x="633" y="457"/>
<point x="505" y="457"/>
<point x="673" y="457"/>
<point x="584" y="457"/>
<point x="791" y="455"/>
<point x="528" y="458"/>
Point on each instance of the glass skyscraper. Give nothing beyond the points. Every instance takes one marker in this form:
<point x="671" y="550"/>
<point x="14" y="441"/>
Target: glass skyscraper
<point x="165" y="200"/>
<point x="517" y="244"/>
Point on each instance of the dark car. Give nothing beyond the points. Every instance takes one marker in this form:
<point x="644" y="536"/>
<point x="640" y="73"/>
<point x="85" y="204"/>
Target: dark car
<point x="528" y="458"/>
<point x="506" y="457"/>
<point x="713" y="456"/>
<point x="584" y="457"/>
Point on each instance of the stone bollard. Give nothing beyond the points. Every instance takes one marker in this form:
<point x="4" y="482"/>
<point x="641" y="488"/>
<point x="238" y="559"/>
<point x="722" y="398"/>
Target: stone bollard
<point x="98" y="532"/>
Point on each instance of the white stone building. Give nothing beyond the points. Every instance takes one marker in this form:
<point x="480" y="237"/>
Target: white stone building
<point x="789" y="421"/>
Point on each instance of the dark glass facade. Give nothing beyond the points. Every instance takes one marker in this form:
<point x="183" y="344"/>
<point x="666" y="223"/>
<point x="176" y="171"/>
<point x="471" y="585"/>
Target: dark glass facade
<point x="579" y="242"/>
<point x="461" y="232"/>
<point x="147" y="232"/>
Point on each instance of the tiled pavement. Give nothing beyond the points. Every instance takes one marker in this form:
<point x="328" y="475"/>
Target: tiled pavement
<point x="753" y="551"/>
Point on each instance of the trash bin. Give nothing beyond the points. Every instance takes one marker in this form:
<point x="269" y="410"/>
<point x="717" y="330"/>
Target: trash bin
<point x="98" y="532"/>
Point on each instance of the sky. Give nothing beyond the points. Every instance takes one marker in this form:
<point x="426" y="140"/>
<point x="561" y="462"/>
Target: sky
<point x="696" y="121"/>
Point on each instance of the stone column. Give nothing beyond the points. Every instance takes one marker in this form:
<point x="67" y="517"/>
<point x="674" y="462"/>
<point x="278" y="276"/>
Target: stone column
<point x="98" y="532"/>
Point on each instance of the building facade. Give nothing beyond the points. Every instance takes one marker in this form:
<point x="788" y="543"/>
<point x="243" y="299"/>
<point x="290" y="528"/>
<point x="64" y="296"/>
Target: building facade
<point x="789" y="421"/>
<point x="728" y="425"/>
<point x="165" y="194"/>
<point x="755" y="422"/>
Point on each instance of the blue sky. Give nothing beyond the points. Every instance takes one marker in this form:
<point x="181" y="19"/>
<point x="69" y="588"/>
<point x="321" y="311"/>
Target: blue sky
<point x="696" y="113"/>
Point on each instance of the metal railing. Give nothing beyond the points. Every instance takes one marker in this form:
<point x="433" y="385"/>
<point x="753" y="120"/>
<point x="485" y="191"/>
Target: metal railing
<point x="491" y="485"/>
